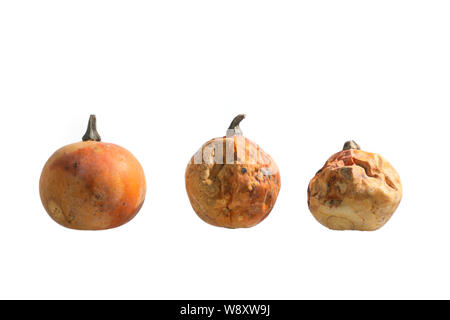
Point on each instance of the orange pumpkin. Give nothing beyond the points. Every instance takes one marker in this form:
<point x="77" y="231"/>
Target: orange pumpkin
<point x="92" y="185"/>
<point x="355" y="190"/>
<point x="231" y="182"/>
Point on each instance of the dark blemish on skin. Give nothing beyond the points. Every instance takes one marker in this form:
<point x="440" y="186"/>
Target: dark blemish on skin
<point x="334" y="203"/>
<point x="98" y="196"/>
<point x="347" y="173"/>
<point x="268" y="199"/>
<point x="331" y="181"/>
<point x="252" y="191"/>
<point x="75" y="165"/>
<point x="243" y="170"/>
<point x="123" y="203"/>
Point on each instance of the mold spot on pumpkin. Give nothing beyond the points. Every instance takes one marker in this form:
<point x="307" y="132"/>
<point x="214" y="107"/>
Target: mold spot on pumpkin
<point x="55" y="211"/>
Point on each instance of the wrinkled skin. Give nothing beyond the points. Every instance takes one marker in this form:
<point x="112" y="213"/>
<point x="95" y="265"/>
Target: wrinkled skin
<point x="239" y="194"/>
<point x="92" y="186"/>
<point x="355" y="190"/>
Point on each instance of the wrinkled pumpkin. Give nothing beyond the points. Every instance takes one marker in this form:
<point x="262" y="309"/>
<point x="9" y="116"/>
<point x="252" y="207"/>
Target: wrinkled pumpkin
<point x="355" y="190"/>
<point x="92" y="185"/>
<point x="231" y="182"/>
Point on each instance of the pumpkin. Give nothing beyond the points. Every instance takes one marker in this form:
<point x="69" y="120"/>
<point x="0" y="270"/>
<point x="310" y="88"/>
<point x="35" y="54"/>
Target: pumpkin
<point x="231" y="182"/>
<point x="355" y="190"/>
<point x="92" y="185"/>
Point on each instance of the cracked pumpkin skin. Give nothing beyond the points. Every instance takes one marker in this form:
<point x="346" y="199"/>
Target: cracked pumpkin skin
<point x="355" y="190"/>
<point x="92" y="185"/>
<point x="239" y="194"/>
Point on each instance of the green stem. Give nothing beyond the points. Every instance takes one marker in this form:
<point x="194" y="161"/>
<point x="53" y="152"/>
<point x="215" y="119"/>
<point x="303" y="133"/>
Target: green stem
<point x="91" y="132"/>
<point x="349" y="145"/>
<point x="234" y="129"/>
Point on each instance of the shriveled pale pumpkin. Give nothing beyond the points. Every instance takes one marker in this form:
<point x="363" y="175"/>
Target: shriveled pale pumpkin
<point x="355" y="190"/>
<point x="92" y="185"/>
<point x="231" y="182"/>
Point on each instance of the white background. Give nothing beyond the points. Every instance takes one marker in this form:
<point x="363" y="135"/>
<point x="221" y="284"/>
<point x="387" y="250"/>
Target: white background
<point x="163" y="77"/>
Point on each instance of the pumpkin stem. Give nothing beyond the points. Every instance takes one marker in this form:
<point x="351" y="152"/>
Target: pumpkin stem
<point x="234" y="129"/>
<point x="91" y="132"/>
<point x="349" y="145"/>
